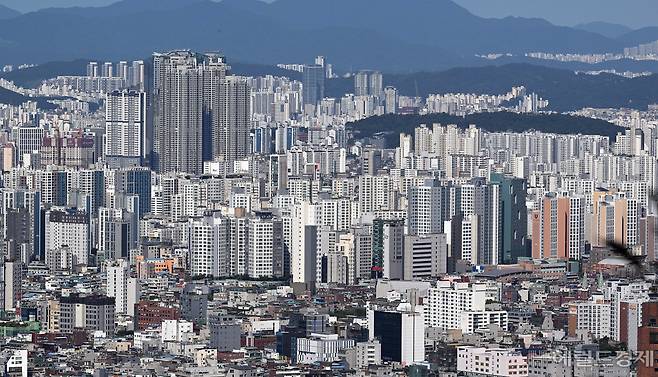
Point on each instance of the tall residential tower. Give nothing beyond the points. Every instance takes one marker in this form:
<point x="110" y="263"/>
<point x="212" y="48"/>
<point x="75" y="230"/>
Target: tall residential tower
<point x="199" y="113"/>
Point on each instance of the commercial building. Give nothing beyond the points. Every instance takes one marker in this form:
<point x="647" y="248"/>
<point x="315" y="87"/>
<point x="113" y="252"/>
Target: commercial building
<point x="425" y="256"/>
<point x="225" y="332"/>
<point x="400" y="333"/>
<point x="68" y="227"/>
<point x="387" y="248"/>
<point x="448" y="304"/>
<point x="514" y="224"/>
<point x="590" y="318"/>
<point x="91" y="313"/>
<point x="491" y="361"/>
<point x="319" y="348"/>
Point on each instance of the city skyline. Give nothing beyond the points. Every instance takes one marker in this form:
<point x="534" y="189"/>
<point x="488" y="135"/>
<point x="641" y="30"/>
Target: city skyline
<point x="367" y="189"/>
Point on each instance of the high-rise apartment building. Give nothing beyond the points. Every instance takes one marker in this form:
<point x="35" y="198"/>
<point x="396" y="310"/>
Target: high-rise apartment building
<point x="387" y="248"/>
<point x="122" y="70"/>
<point x="265" y="246"/>
<point x="480" y="206"/>
<point x="92" y="69"/>
<point x="304" y="243"/>
<point x="514" y="222"/>
<point x="558" y="227"/>
<point x="178" y="112"/>
<point x="424" y="211"/>
<point x="238" y="245"/>
<point x="376" y="85"/>
<point x="107" y="70"/>
<point x="200" y="113"/>
<point x="122" y="287"/>
<point x="125" y="128"/>
<point x="187" y="97"/>
<point x="375" y="193"/>
<point x="136" y="75"/>
<point x="313" y="84"/>
<point x="209" y="245"/>
<point x="390" y="100"/>
<point x="369" y="83"/>
<point x="615" y="217"/>
<point x="232" y="120"/>
<point x="362" y="252"/>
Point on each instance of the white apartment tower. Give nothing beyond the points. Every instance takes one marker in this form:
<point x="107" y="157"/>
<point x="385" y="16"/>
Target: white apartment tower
<point x="448" y="301"/>
<point x="491" y="362"/>
<point x="424" y="211"/>
<point x="208" y="246"/>
<point x="121" y="286"/>
<point x="125" y="126"/>
<point x="68" y="228"/>
<point x="265" y="246"/>
<point x="304" y="242"/>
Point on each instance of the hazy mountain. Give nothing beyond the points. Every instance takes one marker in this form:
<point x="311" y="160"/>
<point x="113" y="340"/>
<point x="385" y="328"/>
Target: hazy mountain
<point x="6" y="12"/>
<point x="620" y="65"/>
<point x="394" y="35"/>
<point x="564" y="89"/>
<point x="606" y="29"/>
<point x="25" y="6"/>
<point x="634" y="13"/>
<point x="639" y="36"/>
<point x="200" y="25"/>
<point x="33" y="76"/>
<point x="439" y="23"/>
<point x="121" y="8"/>
<point x="12" y="98"/>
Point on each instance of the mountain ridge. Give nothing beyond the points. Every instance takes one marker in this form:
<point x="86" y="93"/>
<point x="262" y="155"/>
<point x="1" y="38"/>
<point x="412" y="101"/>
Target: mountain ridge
<point x="607" y="29"/>
<point x="396" y="35"/>
<point x="565" y="90"/>
<point x="7" y="13"/>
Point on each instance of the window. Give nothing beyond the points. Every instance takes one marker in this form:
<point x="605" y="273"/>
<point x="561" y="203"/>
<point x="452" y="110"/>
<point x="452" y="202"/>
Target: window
<point x="653" y="338"/>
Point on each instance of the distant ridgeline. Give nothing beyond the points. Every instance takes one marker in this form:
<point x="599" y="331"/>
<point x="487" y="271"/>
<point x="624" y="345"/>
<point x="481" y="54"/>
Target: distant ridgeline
<point x="564" y="89"/>
<point x="390" y="126"/>
<point x="9" y="97"/>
